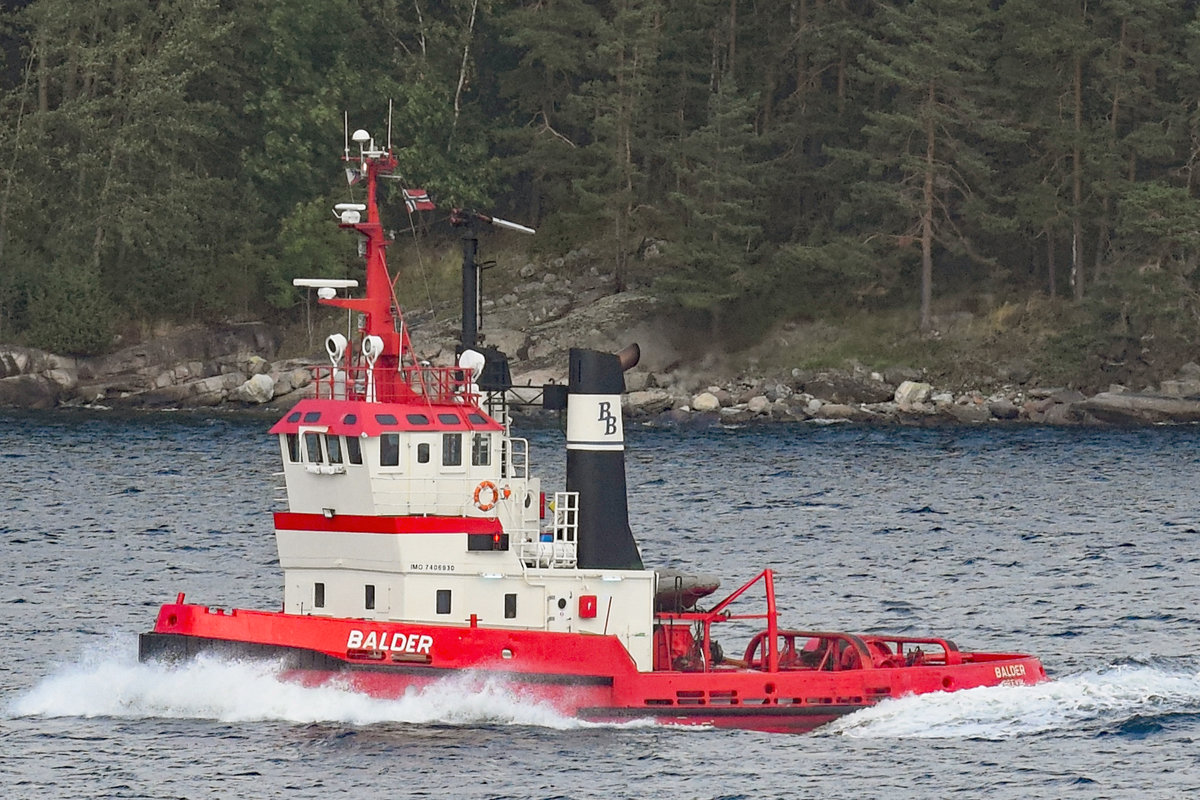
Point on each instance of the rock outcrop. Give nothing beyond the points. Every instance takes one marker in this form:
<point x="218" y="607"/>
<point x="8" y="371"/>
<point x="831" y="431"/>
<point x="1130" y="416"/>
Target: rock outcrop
<point x="535" y="324"/>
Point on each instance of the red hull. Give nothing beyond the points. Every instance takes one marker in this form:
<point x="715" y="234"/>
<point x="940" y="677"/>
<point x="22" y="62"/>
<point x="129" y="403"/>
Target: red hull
<point x="588" y="676"/>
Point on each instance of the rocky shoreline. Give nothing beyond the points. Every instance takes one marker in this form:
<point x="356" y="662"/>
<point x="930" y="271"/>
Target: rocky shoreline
<point x="233" y="367"/>
<point x="843" y="396"/>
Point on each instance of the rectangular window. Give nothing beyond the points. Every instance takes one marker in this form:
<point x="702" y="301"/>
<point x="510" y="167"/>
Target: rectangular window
<point x="318" y="595"/>
<point x="481" y="449"/>
<point x="312" y="448"/>
<point x="423" y="453"/>
<point x="451" y="449"/>
<point x="510" y="606"/>
<point x="353" y="451"/>
<point x="443" y="601"/>
<point x="389" y="450"/>
<point x="293" y="447"/>
<point x="333" y="447"/>
<point x="369" y="600"/>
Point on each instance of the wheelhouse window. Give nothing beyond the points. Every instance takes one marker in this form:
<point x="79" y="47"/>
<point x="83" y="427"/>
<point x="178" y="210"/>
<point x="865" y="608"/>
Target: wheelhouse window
<point x="481" y="449"/>
<point x="452" y="450"/>
<point x="312" y="448"/>
<point x="293" y="447"/>
<point x="423" y="453"/>
<point x="389" y="450"/>
<point x="333" y="448"/>
<point x="353" y="450"/>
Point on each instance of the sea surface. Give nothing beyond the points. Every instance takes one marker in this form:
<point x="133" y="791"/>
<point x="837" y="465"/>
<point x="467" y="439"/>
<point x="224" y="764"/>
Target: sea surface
<point x="1077" y="545"/>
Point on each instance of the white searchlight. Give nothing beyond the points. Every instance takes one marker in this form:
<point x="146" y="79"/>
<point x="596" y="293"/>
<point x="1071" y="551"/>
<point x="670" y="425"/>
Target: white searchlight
<point x="372" y="349"/>
<point x="335" y="346"/>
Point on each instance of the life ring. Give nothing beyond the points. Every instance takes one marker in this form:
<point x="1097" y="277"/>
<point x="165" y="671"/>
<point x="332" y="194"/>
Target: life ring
<point x="482" y="502"/>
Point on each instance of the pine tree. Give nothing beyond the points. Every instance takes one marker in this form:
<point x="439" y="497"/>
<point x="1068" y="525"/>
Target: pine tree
<point x="720" y="207"/>
<point x="924" y="161"/>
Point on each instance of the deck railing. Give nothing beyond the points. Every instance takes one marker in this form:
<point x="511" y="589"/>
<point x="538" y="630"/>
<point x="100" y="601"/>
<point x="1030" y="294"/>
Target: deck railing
<point x="422" y="384"/>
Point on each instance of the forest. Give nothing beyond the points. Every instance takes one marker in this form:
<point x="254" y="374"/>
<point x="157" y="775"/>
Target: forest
<point x="175" y="160"/>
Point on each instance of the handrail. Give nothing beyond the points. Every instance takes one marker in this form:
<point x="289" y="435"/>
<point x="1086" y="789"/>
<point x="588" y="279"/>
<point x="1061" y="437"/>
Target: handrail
<point x="864" y="646"/>
<point x="427" y="384"/>
<point x="719" y="614"/>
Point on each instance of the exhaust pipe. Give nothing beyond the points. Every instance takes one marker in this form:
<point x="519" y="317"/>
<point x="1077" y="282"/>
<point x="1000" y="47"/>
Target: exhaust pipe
<point x="596" y="458"/>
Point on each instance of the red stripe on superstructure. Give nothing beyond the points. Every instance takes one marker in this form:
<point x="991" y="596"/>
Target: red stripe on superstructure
<point x="354" y="523"/>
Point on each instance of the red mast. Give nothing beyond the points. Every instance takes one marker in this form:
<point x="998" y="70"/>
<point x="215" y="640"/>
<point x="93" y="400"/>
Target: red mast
<point x="381" y="366"/>
<point x="381" y="316"/>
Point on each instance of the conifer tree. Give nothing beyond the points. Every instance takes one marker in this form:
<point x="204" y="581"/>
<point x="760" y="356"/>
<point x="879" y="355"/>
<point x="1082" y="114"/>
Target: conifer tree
<point x="924" y="159"/>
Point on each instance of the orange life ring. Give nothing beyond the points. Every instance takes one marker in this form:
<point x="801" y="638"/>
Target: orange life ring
<point x="486" y="505"/>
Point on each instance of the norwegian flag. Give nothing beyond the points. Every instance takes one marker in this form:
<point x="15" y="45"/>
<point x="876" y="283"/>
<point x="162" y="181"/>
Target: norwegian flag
<point x="418" y="200"/>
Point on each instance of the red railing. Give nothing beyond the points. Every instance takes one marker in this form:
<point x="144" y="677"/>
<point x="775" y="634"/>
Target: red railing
<point x="719" y="614"/>
<point x="776" y="649"/>
<point x="420" y="384"/>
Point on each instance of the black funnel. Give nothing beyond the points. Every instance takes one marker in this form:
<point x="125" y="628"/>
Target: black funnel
<point x="596" y="459"/>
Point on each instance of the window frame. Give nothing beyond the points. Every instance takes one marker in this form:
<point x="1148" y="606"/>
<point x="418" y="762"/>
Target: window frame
<point x="399" y="465"/>
<point x="452" y="444"/>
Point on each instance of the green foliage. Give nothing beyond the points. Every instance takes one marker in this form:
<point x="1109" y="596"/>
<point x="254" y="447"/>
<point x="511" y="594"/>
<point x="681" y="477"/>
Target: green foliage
<point x="310" y="247"/>
<point x="790" y="159"/>
<point x="70" y="313"/>
<point x="1159" y="222"/>
<point x="812" y="280"/>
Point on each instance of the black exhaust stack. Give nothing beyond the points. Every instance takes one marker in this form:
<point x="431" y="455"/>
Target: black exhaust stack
<point x="495" y="376"/>
<point x="596" y="458"/>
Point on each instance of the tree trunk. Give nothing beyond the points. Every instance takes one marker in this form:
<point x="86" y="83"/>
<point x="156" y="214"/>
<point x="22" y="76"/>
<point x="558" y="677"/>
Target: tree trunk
<point x="16" y="145"/>
<point x="1051" y="268"/>
<point x="1077" y="185"/>
<point x="801" y="57"/>
<point x="732" y="37"/>
<point x="43" y="76"/>
<point x="927" y="217"/>
<point x="462" y="71"/>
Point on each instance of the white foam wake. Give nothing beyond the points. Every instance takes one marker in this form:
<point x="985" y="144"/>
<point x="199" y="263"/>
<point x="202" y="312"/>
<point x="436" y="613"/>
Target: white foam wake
<point x="109" y="682"/>
<point x="1108" y="695"/>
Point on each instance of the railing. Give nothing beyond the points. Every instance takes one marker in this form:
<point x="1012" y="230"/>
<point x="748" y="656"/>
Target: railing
<point x="826" y="650"/>
<point x="781" y="650"/>
<point x="719" y="613"/>
<point x="556" y="548"/>
<point x="433" y="385"/>
<point x="517" y="458"/>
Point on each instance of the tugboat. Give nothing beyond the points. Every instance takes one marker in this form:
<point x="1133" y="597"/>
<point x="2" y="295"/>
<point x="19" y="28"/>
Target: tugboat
<point x="418" y="545"/>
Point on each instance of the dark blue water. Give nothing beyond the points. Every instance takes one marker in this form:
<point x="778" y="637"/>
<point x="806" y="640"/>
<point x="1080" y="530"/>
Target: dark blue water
<point x="1077" y="545"/>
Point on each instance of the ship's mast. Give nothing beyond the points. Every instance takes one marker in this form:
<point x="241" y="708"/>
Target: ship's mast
<point x="380" y="320"/>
